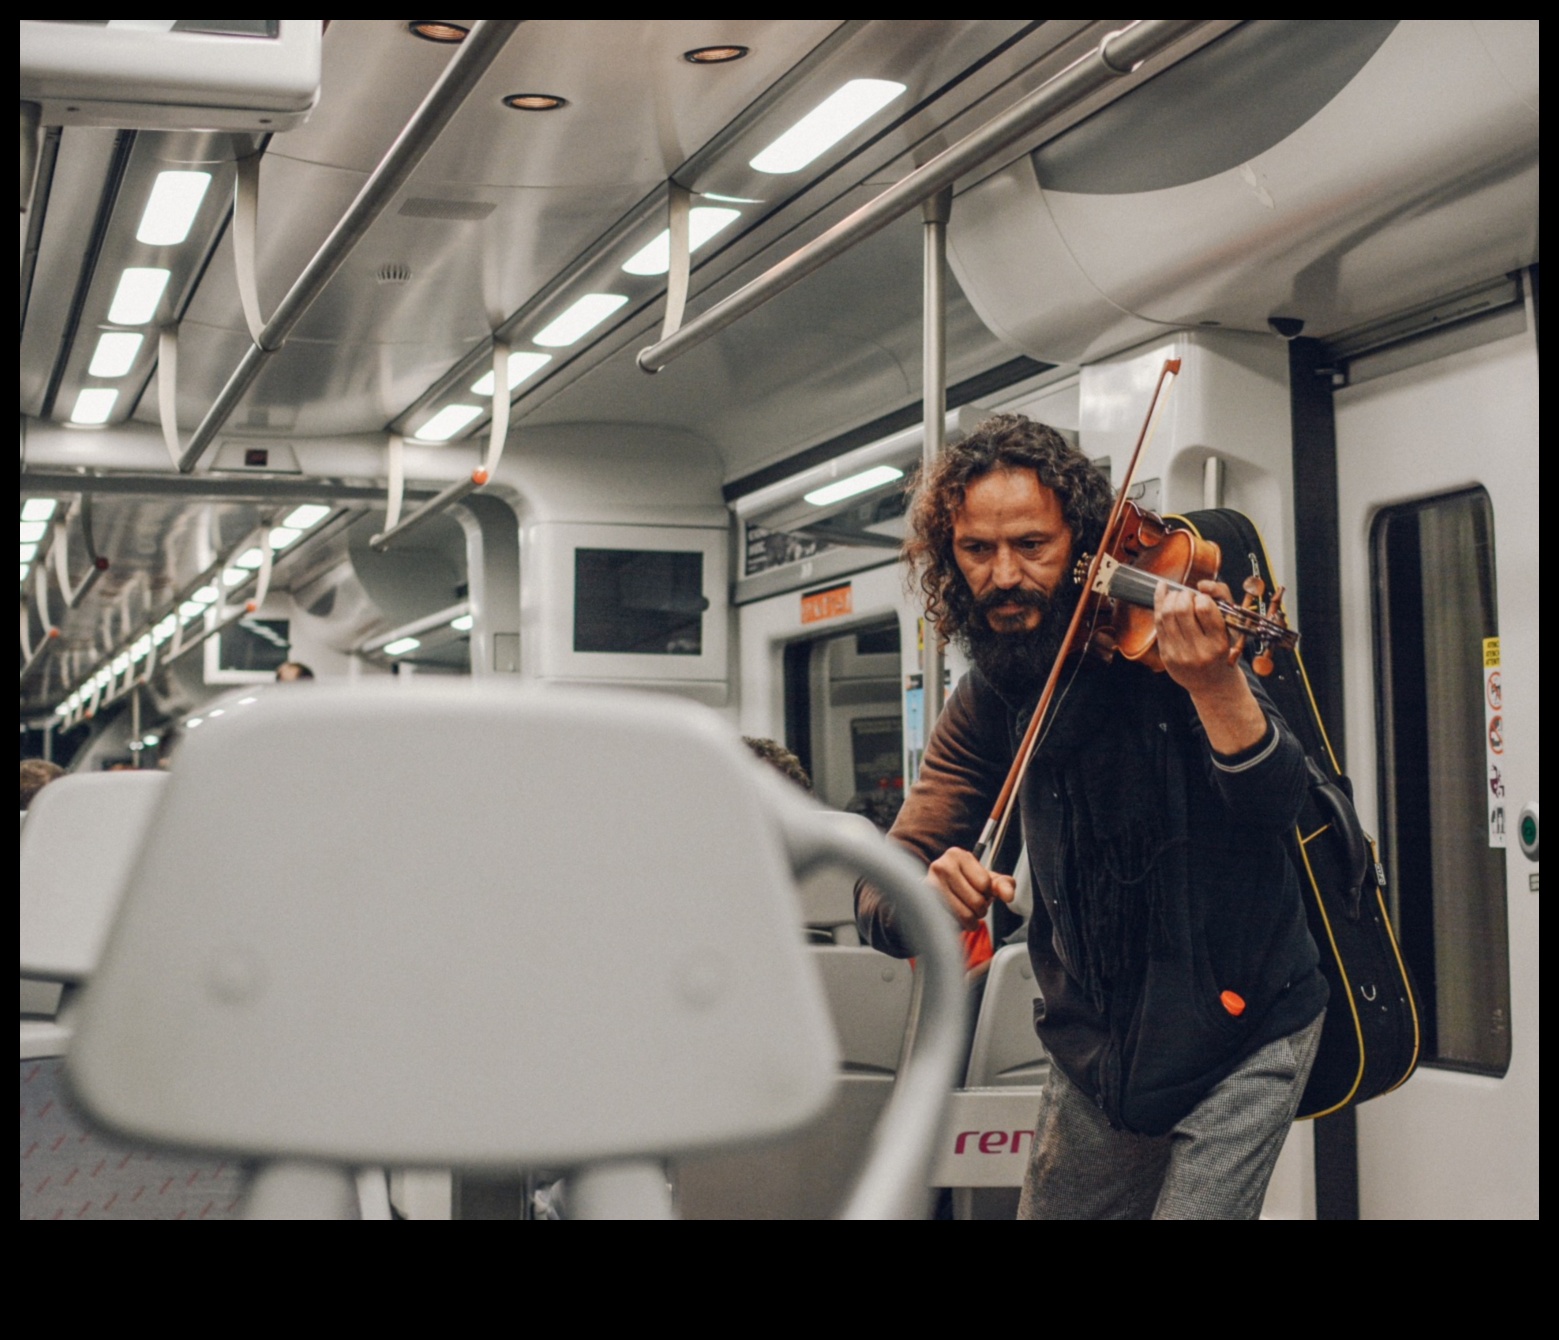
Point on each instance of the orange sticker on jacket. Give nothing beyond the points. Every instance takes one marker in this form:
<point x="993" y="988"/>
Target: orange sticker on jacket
<point x="1233" y="1002"/>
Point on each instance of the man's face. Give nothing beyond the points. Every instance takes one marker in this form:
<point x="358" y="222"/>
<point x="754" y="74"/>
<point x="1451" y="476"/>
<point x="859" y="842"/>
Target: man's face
<point x="1014" y="548"/>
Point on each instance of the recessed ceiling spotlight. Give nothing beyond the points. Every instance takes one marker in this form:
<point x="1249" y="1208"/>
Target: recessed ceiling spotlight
<point x="437" y="30"/>
<point x="534" y="102"/>
<point x="714" y="55"/>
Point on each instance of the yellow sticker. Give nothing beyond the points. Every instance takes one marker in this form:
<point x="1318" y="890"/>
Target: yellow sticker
<point x="1490" y="651"/>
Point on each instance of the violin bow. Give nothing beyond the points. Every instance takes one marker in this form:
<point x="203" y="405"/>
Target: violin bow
<point x="995" y="830"/>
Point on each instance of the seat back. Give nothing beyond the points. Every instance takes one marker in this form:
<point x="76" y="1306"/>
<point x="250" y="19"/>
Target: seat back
<point x="1006" y="1052"/>
<point x="869" y="997"/>
<point x="326" y="863"/>
<point x="828" y="893"/>
<point x="80" y="840"/>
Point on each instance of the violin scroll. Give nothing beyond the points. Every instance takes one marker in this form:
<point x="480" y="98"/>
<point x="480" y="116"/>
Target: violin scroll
<point x="1266" y="621"/>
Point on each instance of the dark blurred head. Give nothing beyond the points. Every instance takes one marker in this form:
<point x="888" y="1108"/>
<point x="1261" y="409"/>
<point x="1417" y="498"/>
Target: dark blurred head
<point x="37" y="773"/>
<point x="290" y="671"/>
<point x="780" y="759"/>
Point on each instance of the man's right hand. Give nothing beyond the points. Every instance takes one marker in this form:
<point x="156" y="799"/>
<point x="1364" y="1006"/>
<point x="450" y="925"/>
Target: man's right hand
<point x="967" y="887"/>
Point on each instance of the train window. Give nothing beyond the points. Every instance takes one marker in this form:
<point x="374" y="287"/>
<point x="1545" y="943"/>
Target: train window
<point x="636" y="600"/>
<point x="1433" y="575"/>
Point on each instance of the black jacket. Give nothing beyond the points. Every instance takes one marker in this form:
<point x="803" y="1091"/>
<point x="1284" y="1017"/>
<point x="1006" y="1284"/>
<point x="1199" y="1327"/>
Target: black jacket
<point x="1227" y="964"/>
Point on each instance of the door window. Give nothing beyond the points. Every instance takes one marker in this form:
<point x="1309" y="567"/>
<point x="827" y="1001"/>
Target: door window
<point x="1443" y="795"/>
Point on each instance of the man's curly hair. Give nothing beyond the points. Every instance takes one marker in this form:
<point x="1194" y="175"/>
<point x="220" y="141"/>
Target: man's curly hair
<point x="1002" y="442"/>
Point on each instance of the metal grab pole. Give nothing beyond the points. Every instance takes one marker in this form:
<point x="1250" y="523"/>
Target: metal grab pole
<point x="936" y="212"/>
<point x="1116" y="56"/>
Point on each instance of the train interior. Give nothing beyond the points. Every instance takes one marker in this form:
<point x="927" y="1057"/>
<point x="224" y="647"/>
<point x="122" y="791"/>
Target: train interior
<point x="738" y="279"/>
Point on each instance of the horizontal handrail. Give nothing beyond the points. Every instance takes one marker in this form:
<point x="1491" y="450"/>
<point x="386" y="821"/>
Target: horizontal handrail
<point x="438" y="503"/>
<point x="1116" y="56"/>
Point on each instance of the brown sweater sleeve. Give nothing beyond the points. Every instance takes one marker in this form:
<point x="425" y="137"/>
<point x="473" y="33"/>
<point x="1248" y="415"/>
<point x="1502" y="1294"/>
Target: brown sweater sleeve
<point x="960" y="776"/>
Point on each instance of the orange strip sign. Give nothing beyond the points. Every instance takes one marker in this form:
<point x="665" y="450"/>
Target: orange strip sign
<point x="830" y="604"/>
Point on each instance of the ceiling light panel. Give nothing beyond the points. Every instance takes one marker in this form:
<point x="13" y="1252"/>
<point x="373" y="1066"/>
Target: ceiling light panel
<point x="522" y="366"/>
<point x="32" y="530"/>
<point x="826" y="124"/>
<point x="170" y="212"/>
<point x="38" y="509"/>
<point x="115" y="353"/>
<point x="401" y="645"/>
<point x="841" y="489"/>
<point x="446" y="423"/>
<point x="140" y="291"/>
<point x="94" y="404"/>
<point x="580" y="319"/>
<point x="309" y="514"/>
<point x="704" y="222"/>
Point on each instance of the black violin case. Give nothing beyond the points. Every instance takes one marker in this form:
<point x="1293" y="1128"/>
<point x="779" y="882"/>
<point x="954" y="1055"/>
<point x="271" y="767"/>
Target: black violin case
<point x="1369" y="1043"/>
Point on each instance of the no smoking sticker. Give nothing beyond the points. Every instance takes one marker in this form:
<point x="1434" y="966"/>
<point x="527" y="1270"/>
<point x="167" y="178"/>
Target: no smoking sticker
<point x="1494" y="739"/>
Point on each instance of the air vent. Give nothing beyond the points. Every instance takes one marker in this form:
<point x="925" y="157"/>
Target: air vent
<point x="393" y="272"/>
<point x="425" y="207"/>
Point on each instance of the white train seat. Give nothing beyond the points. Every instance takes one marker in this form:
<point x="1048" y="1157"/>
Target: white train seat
<point x="78" y="845"/>
<point x="828" y="893"/>
<point x="869" y="997"/>
<point x="375" y="844"/>
<point x="80" y="839"/>
<point x="986" y="1150"/>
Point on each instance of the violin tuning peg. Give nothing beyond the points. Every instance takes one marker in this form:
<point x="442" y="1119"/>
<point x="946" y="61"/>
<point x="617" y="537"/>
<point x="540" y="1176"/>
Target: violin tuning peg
<point x="1255" y="588"/>
<point x="1262" y="662"/>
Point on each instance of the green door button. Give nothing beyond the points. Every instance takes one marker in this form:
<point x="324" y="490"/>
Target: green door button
<point x="1526" y="829"/>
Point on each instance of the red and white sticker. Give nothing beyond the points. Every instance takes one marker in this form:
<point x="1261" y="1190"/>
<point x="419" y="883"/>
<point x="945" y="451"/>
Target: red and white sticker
<point x="1494" y="740"/>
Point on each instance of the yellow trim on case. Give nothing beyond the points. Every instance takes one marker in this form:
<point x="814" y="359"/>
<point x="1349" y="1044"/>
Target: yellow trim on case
<point x="1358" y="1029"/>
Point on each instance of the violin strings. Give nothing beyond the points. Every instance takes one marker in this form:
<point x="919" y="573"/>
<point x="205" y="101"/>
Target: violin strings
<point x="1137" y="587"/>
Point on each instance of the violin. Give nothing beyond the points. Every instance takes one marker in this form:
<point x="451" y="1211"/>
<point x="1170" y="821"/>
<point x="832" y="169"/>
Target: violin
<point x="1148" y="553"/>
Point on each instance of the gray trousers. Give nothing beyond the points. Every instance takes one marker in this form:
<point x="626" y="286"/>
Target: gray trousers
<point x="1214" y="1164"/>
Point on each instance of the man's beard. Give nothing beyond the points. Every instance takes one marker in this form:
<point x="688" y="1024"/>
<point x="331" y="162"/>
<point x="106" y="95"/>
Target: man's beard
<point x="1015" y="662"/>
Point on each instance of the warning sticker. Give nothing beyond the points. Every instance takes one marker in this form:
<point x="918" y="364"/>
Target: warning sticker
<point x="1494" y="740"/>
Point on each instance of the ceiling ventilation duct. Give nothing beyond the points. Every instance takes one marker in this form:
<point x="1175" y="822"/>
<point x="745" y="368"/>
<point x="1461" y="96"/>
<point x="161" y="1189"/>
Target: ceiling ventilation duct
<point x="1294" y="171"/>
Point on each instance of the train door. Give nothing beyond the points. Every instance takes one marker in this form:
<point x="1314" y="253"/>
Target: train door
<point x="1437" y="474"/>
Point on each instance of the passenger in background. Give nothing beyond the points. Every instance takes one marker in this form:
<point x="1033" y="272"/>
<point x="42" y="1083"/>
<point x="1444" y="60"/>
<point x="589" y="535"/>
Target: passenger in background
<point x="37" y="773"/>
<point x="1180" y="999"/>
<point x="781" y="759"/>
<point x="289" y="672"/>
<point x="877" y="806"/>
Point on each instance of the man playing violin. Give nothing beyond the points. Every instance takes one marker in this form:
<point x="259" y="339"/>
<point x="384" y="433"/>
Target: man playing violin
<point x="1180" y="1000"/>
